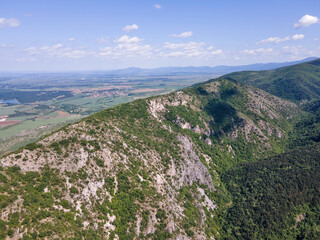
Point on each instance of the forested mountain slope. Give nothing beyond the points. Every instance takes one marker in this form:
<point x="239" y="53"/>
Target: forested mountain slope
<point x="152" y="169"/>
<point x="276" y="198"/>
<point x="296" y="83"/>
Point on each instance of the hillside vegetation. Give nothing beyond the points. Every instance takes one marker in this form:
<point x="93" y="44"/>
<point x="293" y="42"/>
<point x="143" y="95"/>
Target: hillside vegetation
<point x="296" y="83"/>
<point x="219" y="160"/>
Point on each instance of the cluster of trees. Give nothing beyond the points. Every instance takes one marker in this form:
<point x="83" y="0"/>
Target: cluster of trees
<point x="307" y="129"/>
<point x="33" y="96"/>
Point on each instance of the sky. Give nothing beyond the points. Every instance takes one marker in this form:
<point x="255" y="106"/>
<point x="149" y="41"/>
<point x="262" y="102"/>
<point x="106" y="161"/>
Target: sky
<point x="82" y="35"/>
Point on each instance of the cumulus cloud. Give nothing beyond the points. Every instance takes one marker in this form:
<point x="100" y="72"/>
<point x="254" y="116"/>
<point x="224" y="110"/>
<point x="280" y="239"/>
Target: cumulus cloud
<point x="291" y="50"/>
<point x="258" y="51"/>
<point x="126" y="47"/>
<point x="102" y="40"/>
<point x="279" y="40"/>
<point x="190" y="49"/>
<point x="157" y="6"/>
<point x="182" y="35"/>
<point x="57" y="50"/>
<point x="297" y="37"/>
<point x="189" y="45"/>
<point x="127" y="39"/>
<point x="6" y="45"/>
<point x="274" y="40"/>
<point x="134" y="47"/>
<point x="129" y="28"/>
<point x="9" y="22"/>
<point x="286" y="52"/>
<point x="306" y="21"/>
<point x="217" y="52"/>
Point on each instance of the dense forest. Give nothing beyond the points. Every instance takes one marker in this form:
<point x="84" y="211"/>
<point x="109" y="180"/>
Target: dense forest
<point x="269" y="196"/>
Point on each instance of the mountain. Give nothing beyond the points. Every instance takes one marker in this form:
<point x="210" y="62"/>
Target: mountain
<point x="298" y="82"/>
<point x="218" y="70"/>
<point x="147" y="169"/>
<point x="218" y="160"/>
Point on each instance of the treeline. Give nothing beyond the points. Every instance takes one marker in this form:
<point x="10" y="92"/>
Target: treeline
<point x="33" y="96"/>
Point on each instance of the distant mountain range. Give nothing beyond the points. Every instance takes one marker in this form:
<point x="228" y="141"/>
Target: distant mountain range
<point x="218" y="70"/>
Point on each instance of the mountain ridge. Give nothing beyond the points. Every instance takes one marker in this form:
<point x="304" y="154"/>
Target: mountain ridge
<point x="295" y="83"/>
<point x="222" y="69"/>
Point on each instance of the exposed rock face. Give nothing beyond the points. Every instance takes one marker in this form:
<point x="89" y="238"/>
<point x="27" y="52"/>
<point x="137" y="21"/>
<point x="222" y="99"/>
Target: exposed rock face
<point x="158" y="105"/>
<point x="192" y="162"/>
<point x="134" y="171"/>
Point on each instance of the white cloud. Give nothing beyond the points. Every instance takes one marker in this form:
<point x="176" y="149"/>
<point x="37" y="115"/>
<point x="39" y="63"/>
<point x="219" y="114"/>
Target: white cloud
<point x="6" y="45"/>
<point x="217" y="52"/>
<point x="133" y="47"/>
<point x="129" y="28"/>
<point x="57" y="50"/>
<point x="102" y="40"/>
<point x="75" y="54"/>
<point x="59" y="45"/>
<point x="283" y="53"/>
<point x="291" y="50"/>
<point x="306" y="21"/>
<point x="106" y="51"/>
<point x="9" y="22"/>
<point x="127" y="39"/>
<point x="297" y="37"/>
<point x="279" y="40"/>
<point x="157" y="6"/>
<point x="71" y="39"/>
<point x="126" y="47"/>
<point x="258" y="51"/>
<point x="274" y="40"/>
<point x="190" y="49"/>
<point x="182" y="35"/>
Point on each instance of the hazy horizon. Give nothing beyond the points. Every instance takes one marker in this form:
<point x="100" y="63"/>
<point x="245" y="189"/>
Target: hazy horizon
<point x="154" y="68"/>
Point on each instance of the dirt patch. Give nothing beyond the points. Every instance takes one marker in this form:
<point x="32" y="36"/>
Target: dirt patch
<point x="7" y="123"/>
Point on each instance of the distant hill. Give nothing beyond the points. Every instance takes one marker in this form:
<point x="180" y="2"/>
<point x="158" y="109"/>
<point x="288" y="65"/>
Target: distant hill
<point x="296" y="83"/>
<point x="218" y="70"/>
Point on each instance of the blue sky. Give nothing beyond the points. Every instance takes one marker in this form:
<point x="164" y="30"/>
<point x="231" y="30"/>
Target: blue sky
<point x="56" y="35"/>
